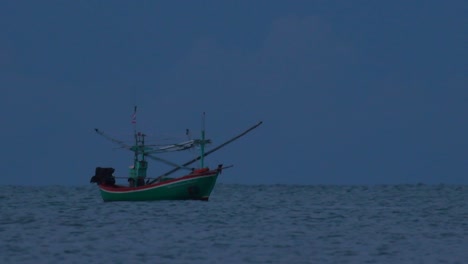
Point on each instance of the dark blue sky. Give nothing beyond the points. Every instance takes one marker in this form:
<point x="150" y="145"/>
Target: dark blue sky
<point x="350" y="92"/>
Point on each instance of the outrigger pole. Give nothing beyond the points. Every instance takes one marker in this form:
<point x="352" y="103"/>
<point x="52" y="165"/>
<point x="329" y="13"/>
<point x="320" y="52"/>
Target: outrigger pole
<point x="136" y="149"/>
<point x="207" y="153"/>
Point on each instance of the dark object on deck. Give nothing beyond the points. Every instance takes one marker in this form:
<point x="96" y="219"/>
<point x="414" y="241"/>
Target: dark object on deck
<point x="103" y="176"/>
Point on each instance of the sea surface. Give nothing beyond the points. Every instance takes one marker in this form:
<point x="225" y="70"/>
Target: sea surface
<point x="240" y="224"/>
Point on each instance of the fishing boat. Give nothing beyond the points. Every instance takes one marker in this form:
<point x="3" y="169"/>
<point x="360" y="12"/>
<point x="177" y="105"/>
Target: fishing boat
<point x="196" y="184"/>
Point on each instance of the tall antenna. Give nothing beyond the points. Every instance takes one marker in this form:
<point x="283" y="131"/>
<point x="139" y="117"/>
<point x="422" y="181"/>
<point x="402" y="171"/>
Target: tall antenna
<point x="134" y="110"/>
<point x="136" y="136"/>
<point x="202" y="147"/>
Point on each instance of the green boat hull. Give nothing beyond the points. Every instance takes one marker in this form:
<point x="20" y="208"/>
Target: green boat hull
<point x="189" y="187"/>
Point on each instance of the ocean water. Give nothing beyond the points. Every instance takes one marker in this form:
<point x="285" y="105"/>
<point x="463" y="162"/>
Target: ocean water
<point x="240" y="224"/>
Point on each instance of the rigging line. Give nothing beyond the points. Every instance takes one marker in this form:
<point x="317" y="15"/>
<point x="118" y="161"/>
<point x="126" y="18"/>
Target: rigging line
<point x="167" y="162"/>
<point x="209" y="152"/>
<point x="121" y="143"/>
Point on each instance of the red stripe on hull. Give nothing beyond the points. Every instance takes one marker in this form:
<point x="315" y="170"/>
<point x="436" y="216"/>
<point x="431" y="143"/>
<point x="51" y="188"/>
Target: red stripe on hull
<point x="123" y="189"/>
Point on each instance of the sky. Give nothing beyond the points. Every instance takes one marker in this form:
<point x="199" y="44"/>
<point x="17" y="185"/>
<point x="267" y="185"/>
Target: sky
<point x="350" y="92"/>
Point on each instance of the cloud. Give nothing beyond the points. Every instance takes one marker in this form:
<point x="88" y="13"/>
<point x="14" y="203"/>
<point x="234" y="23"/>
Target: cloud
<point x="292" y="60"/>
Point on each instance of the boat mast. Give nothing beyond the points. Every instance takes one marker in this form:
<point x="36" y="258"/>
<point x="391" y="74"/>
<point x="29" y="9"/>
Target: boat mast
<point x="143" y="147"/>
<point x="202" y="147"/>
<point x="135" y="160"/>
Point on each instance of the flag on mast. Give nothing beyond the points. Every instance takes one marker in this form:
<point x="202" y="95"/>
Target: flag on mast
<point x="134" y="116"/>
